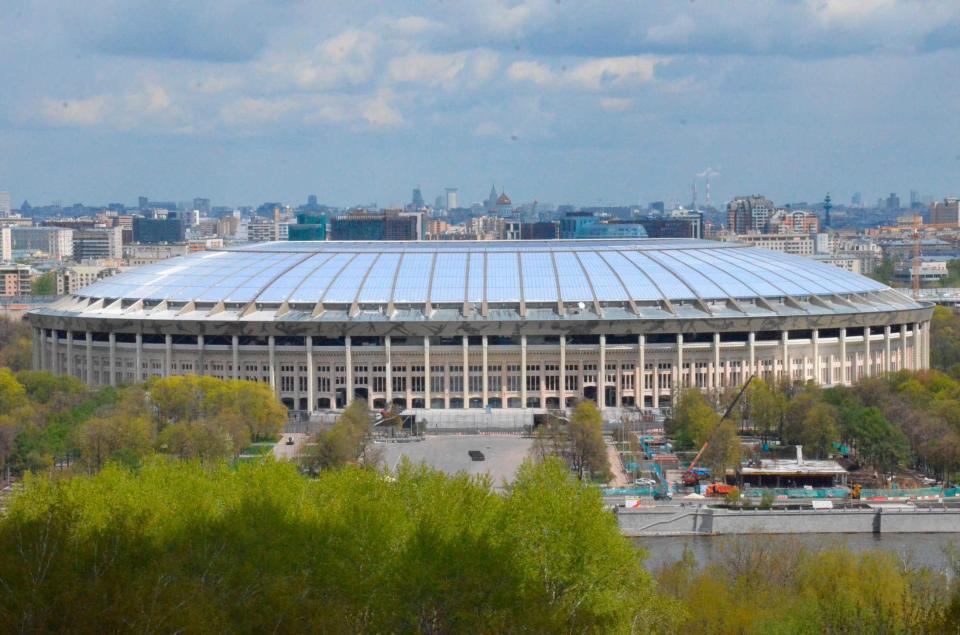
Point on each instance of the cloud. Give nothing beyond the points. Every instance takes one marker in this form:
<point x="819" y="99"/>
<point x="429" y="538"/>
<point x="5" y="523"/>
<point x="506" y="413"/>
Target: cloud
<point x="425" y="68"/>
<point x="593" y="74"/>
<point x="616" y="104"/>
<point x="414" y="25"/>
<point x="74" y="112"/>
<point x="379" y="112"/>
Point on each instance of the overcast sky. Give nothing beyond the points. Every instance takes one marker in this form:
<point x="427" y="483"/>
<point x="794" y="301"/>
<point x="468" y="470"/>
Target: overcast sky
<point x="562" y="101"/>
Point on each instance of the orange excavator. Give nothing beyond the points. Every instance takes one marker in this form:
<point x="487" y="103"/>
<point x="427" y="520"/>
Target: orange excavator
<point x="694" y="475"/>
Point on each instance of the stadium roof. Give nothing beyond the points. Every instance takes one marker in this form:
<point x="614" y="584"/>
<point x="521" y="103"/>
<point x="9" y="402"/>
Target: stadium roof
<point x="492" y="271"/>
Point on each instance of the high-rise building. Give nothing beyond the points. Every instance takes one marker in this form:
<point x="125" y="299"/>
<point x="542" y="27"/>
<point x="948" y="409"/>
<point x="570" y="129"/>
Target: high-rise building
<point x="14" y="280"/>
<point x="856" y="200"/>
<point x="202" y="205"/>
<point x="156" y="230"/>
<point x="388" y="225"/>
<point x="416" y="201"/>
<point x="6" y="244"/>
<point x="748" y="214"/>
<point x="308" y="227"/>
<point x="946" y="212"/>
<point x="452" y="202"/>
<point x="893" y="201"/>
<point x="5" y="210"/>
<point x="98" y="243"/>
<point x="55" y="242"/>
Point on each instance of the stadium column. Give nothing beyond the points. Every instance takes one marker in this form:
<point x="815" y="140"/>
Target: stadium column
<point x="886" y="348"/>
<point x="618" y="388"/>
<point x="348" y="360"/>
<point x="752" y="346"/>
<point x="816" y="355"/>
<point x="602" y="374"/>
<point x="843" y="356"/>
<point x="926" y="347"/>
<point x="113" y="358"/>
<point x="36" y="348"/>
<point x="312" y="376"/>
<point x="523" y="371"/>
<point x="43" y="349"/>
<point x="167" y="355"/>
<point x="903" y="348"/>
<point x="272" y="353"/>
<point x="486" y="385"/>
<point x="71" y="370"/>
<point x="200" y="357"/>
<point x="656" y="384"/>
<point x="639" y="378"/>
<point x="235" y="350"/>
<point x="389" y="370"/>
<point x="866" y="352"/>
<point x="55" y="351"/>
<point x="916" y="346"/>
<point x="678" y="379"/>
<point x="466" y="371"/>
<point x="563" y="371"/>
<point x="785" y="355"/>
<point x="717" y="384"/>
<point x="426" y="371"/>
<point x="89" y="368"/>
<point x="138" y="358"/>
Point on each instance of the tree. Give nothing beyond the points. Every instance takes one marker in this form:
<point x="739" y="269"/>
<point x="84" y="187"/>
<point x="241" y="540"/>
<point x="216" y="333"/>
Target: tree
<point x="45" y="284"/>
<point x="587" y="447"/>
<point x="345" y="443"/>
<point x="724" y="449"/>
<point x="117" y="437"/>
<point x="694" y="419"/>
<point x="767" y="406"/>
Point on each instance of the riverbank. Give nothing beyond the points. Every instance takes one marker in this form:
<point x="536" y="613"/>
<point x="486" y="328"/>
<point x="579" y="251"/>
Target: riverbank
<point x="709" y="521"/>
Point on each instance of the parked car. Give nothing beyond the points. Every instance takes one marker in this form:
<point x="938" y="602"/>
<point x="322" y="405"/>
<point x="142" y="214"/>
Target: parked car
<point x="644" y="482"/>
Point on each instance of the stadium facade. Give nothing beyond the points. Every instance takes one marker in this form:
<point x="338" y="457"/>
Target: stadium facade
<point x="461" y="324"/>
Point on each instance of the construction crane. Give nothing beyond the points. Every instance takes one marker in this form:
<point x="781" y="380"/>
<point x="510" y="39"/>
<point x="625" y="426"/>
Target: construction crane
<point x="916" y="256"/>
<point x="691" y="476"/>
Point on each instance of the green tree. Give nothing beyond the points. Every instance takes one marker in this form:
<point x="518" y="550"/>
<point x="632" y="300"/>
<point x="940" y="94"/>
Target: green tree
<point x="347" y="442"/>
<point x="693" y="420"/>
<point x="767" y="406"/>
<point x="45" y="284"/>
<point x="588" y="450"/>
<point x="724" y="449"/>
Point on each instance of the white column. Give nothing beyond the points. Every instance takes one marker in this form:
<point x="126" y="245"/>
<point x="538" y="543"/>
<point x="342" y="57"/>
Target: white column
<point x="55" y="350"/>
<point x="752" y="345"/>
<point x="678" y="383"/>
<point x="867" y="370"/>
<point x="466" y="372"/>
<point x="886" y="348"/>
<point x="388" y="346"/>
<point x="36" y="342"/>
<point x="916" y="346"/>
<point x="816" y="356"/>
<point x="201" y="361"/>
<point x="235" y="351"/>
<point x="138" y="358"/>
<point x="904" y="364"/>
<point x="486" y="384"/>
<point x="90" y="358"/>
<point x="348" y="360"/>
<point x="602" y="374"/>
<point x="71" y="365"/>
<point x="843" y="357"/>
<point x="640" y="378"/>
<point x="717" y="384"/>
<point x="426" y="371"/>
<point x="113" y="358"/>
<point x="272" y="352"/>
<point x="618" y="389"/>
<point x="311" y="377"/>
<point x="168" y="355"/>
<point x="785" y="356"/>
<point x="926" y="345"/>
<point x="656" y="384"/>
<point x="43" y="349"/>
<point x="523" y="371"/>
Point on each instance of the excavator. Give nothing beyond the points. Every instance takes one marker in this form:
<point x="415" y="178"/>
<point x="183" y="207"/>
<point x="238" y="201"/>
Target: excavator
<point x="694" y="475"/>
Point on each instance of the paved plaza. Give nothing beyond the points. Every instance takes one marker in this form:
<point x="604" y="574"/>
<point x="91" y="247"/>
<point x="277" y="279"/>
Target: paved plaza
<point x="450" y="454"/>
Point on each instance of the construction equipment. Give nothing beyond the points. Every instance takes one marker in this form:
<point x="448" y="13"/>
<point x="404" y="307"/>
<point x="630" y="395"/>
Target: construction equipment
<point x="692" y="476"/>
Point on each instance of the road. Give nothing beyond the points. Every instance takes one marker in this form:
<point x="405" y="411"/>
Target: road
<point x="502" y="454"/>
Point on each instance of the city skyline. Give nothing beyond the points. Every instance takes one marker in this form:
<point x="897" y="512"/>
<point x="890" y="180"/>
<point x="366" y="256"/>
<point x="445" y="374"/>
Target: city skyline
<point x="588" y="104"/>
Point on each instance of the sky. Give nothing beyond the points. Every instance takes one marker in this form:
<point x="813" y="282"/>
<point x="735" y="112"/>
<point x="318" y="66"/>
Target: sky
<point x="585" y="102"/>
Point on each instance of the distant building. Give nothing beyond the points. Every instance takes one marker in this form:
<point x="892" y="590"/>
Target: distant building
<point x="452" y="201"/>
<point x="749" y="214"/>
<point x="261" y="229"/>
<point x="308" y="227"/>
<point x="5" y="210"/>
<point x="147" y="254"/>
<point x="54" y="242"/>
<point x="893" y="201"/>
<point x="157" y="230"/>
<point x="946" y="212"/>
<point x="98" y="244"/>
<point x="416" y="200"/>
<point x="930" y="271"/>
<point x="201" y="205"/>
<point x="797" y="244"/>
<point x="15" y="279"/>
<point x="71" y="279"/>
<point x="388" y="225"/>
<point x="6" y="244"/>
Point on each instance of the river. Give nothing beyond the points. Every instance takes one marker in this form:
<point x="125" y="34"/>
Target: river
<point x="918" y="549"/>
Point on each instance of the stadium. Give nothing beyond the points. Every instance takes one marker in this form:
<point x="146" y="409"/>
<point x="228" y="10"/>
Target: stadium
<point x="484" y="325"/>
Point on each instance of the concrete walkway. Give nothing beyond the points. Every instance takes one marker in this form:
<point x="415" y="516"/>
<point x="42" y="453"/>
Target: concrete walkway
<point x="620" y="476"/>
<point x="284" y="452"/>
